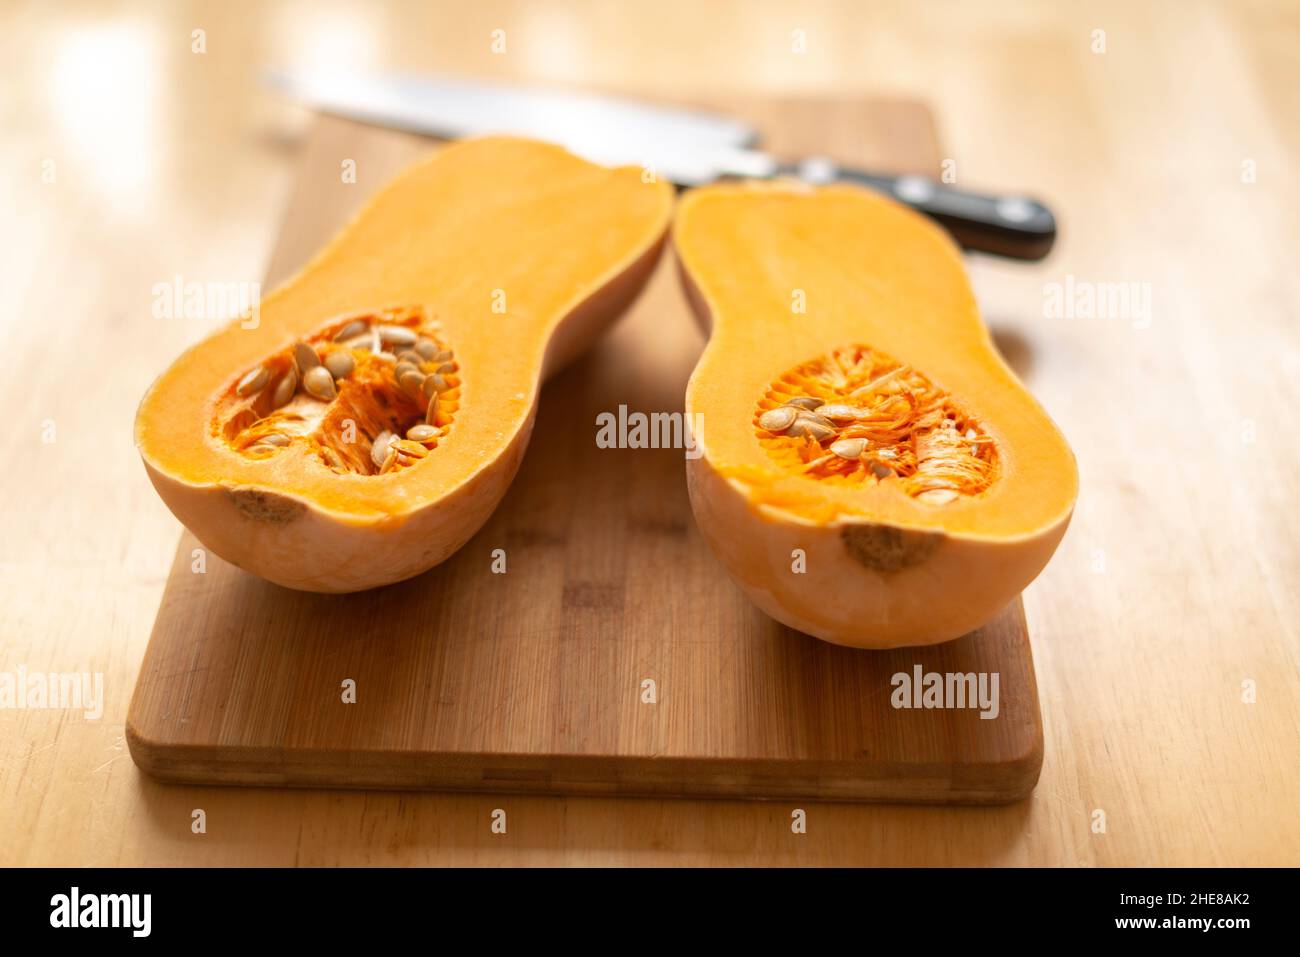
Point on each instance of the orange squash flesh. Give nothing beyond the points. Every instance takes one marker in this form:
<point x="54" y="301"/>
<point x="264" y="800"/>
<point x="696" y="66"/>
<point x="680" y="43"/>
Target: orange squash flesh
<point x="512" y="254"/>
<point x="963" y="486"/>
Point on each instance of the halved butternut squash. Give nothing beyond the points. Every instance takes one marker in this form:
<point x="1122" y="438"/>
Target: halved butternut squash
<point x="870" y="471"/>
<point x="371" y="419"/>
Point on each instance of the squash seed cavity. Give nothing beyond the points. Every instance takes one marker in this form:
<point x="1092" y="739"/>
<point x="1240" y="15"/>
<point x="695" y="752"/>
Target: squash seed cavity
<point x="858" y="416"/>
<point x="367" y="394"/>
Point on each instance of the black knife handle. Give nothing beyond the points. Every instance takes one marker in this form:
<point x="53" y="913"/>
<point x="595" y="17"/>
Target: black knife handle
<point x="1012" y="226"/>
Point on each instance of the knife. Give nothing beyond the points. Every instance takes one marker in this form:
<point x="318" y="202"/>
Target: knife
<point x="687" y="147"/>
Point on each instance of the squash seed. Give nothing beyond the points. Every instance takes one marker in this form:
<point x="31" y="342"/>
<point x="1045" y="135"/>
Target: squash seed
<point x="422" y="433"/>
<point x="379" y="450"/>
<point x="340" y="364"/>
<point x="779" y="419"/>
<point x="849" y="448"/>
<point x="938" y="496"/>
<point x="808" y="402"/>
<point x="286" y="387"/>
<point x="411" y="382"/>
<point x="353" y="329"/>
<point x="398" y="335"/>
<point x="411" y="356"/>
<point x="253" y="382"/>
<point x="806" y="424"/>
<point x="816" y="417"/>
<point x="402" y="368"/>
<point x="431" y="414"/>
<point x="408" y="448"/>
<point x="445" y="368"/>
<point x="841" y="413"/>
<point x="427" y="348"/>
<point x="306" y="357"/>
<point x="275" y="438"/>
<point x="319" y="384"/>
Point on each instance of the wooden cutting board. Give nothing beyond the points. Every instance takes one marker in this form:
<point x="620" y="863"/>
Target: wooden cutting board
<point x="538" y="679"/>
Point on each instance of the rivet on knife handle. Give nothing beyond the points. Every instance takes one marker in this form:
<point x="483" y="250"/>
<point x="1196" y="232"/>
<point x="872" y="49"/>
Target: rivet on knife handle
<point x="1013" y="226"/>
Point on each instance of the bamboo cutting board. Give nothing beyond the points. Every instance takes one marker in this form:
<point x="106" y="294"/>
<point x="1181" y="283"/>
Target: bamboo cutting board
<point x="614" y="656"/>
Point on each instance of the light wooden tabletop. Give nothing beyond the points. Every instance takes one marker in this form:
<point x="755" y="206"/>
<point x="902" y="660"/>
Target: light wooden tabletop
<point x="1164" y="629"/>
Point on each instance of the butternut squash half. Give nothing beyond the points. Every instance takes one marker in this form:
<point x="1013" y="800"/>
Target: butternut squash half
<point x="870" y="471"/>
<point x="367" y="421"/>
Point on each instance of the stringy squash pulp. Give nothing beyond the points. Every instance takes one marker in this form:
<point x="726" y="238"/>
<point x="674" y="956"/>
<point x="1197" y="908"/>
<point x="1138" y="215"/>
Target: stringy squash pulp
<point x="371" y="420"/>
<point x="871" y="471"/>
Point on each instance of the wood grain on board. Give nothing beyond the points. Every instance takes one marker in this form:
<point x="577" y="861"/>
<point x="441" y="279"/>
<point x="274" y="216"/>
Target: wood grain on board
<point x="534" y="680"/>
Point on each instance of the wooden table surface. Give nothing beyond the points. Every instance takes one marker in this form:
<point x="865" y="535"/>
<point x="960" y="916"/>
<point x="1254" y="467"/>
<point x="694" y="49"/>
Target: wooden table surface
<point x="1164" y="630"/>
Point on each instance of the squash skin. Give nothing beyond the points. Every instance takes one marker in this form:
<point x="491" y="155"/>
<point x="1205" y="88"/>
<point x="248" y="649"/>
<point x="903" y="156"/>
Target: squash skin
<point x="936" y="600"/>
<point x="295" y="541"/>
<point x="291" y="543"/>
<point x="864" y="584"/>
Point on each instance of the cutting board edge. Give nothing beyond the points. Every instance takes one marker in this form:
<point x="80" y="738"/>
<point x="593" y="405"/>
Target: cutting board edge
<point x="1000" y="782"/>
